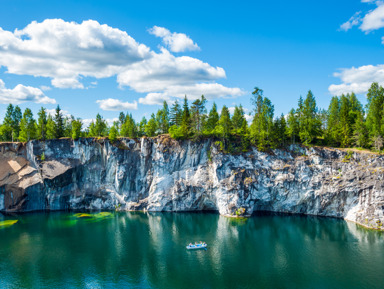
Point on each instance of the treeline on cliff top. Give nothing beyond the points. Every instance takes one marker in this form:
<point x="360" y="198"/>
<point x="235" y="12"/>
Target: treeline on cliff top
<point x="344" y="124"/>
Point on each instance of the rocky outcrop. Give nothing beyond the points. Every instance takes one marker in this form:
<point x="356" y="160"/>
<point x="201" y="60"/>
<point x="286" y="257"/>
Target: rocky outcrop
<point x="162" y="174"/>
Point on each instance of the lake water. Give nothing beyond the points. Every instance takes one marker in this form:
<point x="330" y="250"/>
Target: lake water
<point x="139" y="250"/>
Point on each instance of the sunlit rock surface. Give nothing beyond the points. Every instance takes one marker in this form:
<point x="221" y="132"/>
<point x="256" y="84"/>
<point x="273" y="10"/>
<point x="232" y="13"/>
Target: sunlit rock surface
<point x="162" y="174"/>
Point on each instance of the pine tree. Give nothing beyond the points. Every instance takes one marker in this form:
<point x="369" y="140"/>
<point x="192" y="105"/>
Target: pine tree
<point x="279" y="135"/>
<point x="360" y="135"/>
<point x="141" y="127"/>
<point x="309" y="125"/>
<point x="375" y="106"/>
<point x="162" y="118"/>
<point x="184" y="129"/>
<point x="7" y="127"/>
<point x="129" y="128"/>
<point x="238" y="118"/>
<point x="100" y="126"/>
<point x="92" y="132"/>
<point x="51" y="128"/>
<point x="68" y="126"/>
<point x="198" y="112"/>
<point x="42" y="124"/>
<point x="345" y="121"/>
<point x="59" y="123"/>
<point x="225" y="122"/>
<point x="212" y="120"/>
<point x="293" y="125"/>
<point x="122" y="118"/>
<point x="16" y="118"/>
<point x="27" y="126"/>
<point x="262" y="125"/>
<point x="113" y="134"/>
<point x="175" y="114"/>
<point x="333" y="122"/>
<point x="151" y="127"/>
<point x="76" y="128"/>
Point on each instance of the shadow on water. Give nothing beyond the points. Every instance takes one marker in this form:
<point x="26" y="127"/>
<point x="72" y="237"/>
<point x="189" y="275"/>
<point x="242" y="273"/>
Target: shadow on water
<point x="147" y="250"/>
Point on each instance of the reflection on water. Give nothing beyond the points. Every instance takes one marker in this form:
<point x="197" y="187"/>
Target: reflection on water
<point x="63" y="250"/>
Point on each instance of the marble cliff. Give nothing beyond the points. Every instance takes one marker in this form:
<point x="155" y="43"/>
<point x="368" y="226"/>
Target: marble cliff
<point x="162" y="174"/>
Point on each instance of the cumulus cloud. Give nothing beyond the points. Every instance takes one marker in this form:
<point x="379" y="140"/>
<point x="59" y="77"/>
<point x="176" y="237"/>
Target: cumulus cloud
<point x="66" y="52"/>
<point x="164" y="69"/>
<point x="357" y="80"/>
<point x="22" y="93"/>
<point x="374" y="19"/>
<point x="210" y="91"/>
<point x="176" y="42"/>
<point x="115" y="104"/>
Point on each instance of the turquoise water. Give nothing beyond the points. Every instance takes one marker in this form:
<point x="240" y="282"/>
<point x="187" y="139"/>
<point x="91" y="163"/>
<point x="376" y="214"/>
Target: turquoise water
<point x="138" y="250"/>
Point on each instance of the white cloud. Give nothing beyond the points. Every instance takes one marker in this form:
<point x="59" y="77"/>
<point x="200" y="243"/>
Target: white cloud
<point x="357" y="80"/>
<point x="209" y="90"/>
<point x="176" y="42"/>
<point x="115" y="104"/>
<point x="154" y="98"/>
<point x="52" y="112"/>
<point x="353" y="21"/>
<point x="87" y="121"/>
<point x="67" y="52"/>
<point x="22" y="93"/>
<point x="374" y="19"/>
<point x="163" y="70"/>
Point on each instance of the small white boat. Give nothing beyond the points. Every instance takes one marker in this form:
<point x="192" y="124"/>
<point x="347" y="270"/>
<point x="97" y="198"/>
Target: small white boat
<point x="196" y="246"/>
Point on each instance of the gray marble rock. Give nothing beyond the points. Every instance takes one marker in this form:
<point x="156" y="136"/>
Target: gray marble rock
<point x="161" y="174"/>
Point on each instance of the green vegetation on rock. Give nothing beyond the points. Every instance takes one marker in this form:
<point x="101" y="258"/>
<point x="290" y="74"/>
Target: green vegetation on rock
<point x="7" y="223"/>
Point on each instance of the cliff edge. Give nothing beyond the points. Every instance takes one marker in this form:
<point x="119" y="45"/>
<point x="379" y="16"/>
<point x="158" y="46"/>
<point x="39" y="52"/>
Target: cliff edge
<point x="162" y="174"/>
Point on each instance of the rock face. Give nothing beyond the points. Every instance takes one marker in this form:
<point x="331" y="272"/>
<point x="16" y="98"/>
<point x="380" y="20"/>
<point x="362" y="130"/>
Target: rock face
<point x="162" y="174"/>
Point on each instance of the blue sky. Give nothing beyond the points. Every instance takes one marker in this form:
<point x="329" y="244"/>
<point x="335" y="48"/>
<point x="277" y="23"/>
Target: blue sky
<point x="94" y="56"/>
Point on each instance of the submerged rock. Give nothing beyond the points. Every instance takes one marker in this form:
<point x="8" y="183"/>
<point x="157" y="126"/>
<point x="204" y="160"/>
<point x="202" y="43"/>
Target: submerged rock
<point x="162" y="174"/>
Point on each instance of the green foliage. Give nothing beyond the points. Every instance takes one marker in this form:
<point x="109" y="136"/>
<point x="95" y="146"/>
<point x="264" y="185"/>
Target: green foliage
<point x="198" y="112"/>
<point x="59" y="123"/>
<point x="309" y="121"/>
<point x="42" y="124"/>
<point x="113" y="134"/>
<point x="151" y="126"/>
<point x="11" y="126"/>
<point x="213" y="119"/>
<point x="51" y="128"/>
<point x="129" y="128"/>
<point x="176" y="132"/>
<point x="27" y="126"/>
<point x="175" y="114"/>
<point x="162" y="119"/>
<point x="141" y="127"/>
<point x="76" y="128"/>
<point x="261" y="130"/>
